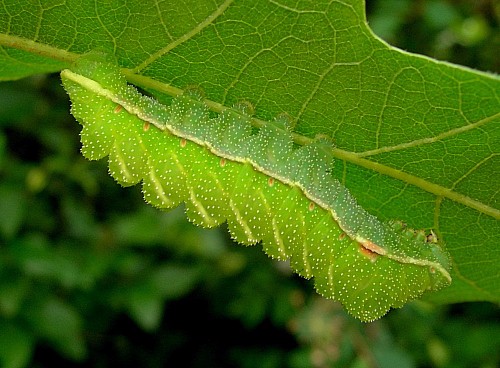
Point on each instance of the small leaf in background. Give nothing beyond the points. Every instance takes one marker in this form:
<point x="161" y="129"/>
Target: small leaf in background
<point x="12" y="210"/>
<point x="61" y="324"/>
<point x="17" y="346"/>
<point x="13" y="292"/>
<point x="152" y="287"/>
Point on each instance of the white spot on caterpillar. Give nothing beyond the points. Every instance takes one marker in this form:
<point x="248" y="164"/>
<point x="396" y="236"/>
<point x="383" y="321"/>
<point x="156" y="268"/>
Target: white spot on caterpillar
<point x="209" y="221"/>
<point x="248" y="232"/>
<point x="159" y="190"/>
<point x="121" y="162"/>
<point x="279" y="240"/>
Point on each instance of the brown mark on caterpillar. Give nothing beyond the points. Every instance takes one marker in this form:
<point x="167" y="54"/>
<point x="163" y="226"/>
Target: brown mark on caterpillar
<point x="372" y="256"/>
<point x="372" y="247"/>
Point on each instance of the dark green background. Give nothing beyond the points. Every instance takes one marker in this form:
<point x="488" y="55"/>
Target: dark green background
<point x="91" y="276"/>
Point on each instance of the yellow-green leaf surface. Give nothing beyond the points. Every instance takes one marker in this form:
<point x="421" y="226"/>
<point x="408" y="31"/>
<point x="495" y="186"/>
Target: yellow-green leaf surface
<point x="417" y="140"/>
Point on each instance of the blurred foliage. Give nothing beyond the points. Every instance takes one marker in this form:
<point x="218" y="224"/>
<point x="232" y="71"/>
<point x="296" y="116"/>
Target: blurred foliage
<point x="91" y="276"/>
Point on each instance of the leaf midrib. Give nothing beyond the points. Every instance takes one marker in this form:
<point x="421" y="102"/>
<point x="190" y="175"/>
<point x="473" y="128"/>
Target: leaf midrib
<point x="348" y="156"/>
<point x="351" y="157"/>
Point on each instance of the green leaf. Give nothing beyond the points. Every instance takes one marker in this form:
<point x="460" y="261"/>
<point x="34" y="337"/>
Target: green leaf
<point x="417" y="140"/>
<point x="145" y="298"/>
<point x="61" y="324"/>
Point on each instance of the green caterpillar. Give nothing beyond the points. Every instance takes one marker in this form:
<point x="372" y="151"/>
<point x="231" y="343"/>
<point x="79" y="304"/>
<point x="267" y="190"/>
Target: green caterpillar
<point x="266" y="189"/>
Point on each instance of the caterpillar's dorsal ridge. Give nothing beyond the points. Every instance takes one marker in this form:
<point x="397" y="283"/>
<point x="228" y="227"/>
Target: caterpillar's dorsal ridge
<point x="194" y="92"/>
<point x="244" y="107"/>
<point x="261" y="183"/>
